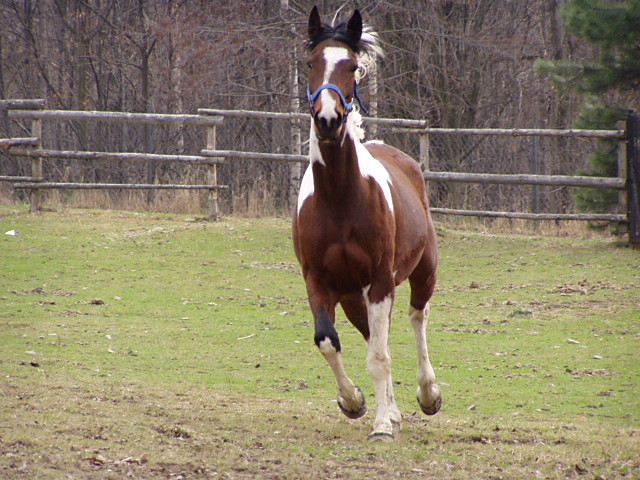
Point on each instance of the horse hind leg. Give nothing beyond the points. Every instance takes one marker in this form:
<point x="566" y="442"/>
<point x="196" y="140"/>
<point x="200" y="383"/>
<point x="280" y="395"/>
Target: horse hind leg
<point x="429" y="394"/>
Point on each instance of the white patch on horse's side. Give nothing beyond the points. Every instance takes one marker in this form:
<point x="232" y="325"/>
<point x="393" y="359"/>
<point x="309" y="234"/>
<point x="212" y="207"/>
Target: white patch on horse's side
<point x="373" y="168"/>
<point x="368" y="164"/>
<point x="306" y="187"/>
<point x="374" y="142"/>
<point x="332" y="56"/>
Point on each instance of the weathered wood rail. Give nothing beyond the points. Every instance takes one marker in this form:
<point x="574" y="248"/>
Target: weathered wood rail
<point x="624" y="183"/>
<point x="31" y="147"/>
<point x="628" y="183"/>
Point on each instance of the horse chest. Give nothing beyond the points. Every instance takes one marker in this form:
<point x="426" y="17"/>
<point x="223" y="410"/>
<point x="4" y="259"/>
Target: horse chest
<point x="347" y="265"/>
<point x="344" y="250"/>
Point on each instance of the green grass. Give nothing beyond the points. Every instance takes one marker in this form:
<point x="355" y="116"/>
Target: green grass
<point x="156" y="346"/>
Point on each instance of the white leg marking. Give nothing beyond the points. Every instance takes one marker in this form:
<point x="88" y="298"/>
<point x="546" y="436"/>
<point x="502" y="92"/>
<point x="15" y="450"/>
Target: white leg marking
<point x="350" y="397"/>
<point x="379" y="365"/>
<point x="429" y="395"/>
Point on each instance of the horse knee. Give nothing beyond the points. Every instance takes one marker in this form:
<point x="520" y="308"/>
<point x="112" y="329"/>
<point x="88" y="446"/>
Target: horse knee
<point x="379" y="364"/>
<point x="326" y="332"/>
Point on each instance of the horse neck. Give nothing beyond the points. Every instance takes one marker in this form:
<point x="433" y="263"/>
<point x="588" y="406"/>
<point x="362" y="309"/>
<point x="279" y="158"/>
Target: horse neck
<point x="338" y="177"/>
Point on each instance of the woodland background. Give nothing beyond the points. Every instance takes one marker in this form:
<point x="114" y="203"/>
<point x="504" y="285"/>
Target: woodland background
<point x="453" y="63"/>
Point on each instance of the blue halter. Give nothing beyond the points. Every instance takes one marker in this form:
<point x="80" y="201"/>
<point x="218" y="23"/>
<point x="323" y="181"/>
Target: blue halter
<point x="313" y="96"/>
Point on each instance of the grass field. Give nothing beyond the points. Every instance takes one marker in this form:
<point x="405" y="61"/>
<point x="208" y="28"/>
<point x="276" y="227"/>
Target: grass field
<point x="159" y="346"/>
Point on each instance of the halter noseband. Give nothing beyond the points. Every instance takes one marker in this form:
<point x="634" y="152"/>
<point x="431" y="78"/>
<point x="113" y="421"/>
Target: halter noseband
<point x="313" y="96"/>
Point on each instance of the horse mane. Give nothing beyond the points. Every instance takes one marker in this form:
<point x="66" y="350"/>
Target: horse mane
<point x="367" y="45"/>
<point x="354" y="125"/>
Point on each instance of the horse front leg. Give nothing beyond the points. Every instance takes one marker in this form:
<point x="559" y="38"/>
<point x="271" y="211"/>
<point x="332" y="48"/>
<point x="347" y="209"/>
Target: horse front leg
<point x="429" y="394"/>
<point x="351" y="400"/>
<point x="388" y="417"/>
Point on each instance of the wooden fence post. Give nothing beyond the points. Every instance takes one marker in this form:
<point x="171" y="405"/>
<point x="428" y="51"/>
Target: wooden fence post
<point x="425" y="157"/>
<point x="214" y="214"/>
<point x="35" y="203"/>
<point x="622" y="228"/>
<point x="633" y="178"/>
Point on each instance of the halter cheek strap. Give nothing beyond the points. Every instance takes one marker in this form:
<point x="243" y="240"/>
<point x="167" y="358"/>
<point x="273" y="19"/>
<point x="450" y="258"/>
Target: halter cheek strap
<point x="313" y="96"/>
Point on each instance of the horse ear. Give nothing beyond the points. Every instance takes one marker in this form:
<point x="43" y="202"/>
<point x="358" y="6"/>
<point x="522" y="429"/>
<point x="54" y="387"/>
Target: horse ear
<point x="315" y="24"/>
<point x="354" y="27"/>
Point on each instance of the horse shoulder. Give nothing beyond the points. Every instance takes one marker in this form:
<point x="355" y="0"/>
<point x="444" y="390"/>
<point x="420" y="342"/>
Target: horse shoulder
<point x="397" y="163"/>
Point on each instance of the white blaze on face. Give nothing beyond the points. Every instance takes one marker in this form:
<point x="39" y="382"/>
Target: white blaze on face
<point x="332" y="56"/>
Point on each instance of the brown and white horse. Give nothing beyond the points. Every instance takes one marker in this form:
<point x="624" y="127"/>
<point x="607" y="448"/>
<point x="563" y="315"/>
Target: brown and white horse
<point x="361" y="227"/>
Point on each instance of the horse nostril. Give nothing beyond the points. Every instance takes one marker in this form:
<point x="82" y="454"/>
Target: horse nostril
<point x="328" y="127"/>
<point x="333" y="123"/>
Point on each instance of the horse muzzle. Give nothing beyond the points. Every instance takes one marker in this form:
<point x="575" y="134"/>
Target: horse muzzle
<point x="328" y="129"/>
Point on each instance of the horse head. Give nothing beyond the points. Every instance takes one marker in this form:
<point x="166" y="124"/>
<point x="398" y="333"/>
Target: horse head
<point x="333" y="63"/>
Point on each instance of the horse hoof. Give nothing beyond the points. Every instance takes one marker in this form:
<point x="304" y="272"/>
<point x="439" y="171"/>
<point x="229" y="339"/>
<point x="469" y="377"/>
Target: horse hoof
<point x="381" y="437"/>
<point x="354" y="413"/>
<point x="434" y="406"/>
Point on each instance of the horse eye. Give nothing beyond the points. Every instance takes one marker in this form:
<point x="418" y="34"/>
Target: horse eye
<point x="310" y="65"/>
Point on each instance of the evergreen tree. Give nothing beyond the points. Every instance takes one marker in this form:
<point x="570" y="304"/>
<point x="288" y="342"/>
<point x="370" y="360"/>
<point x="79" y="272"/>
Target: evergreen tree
<point x="614" y="26"/>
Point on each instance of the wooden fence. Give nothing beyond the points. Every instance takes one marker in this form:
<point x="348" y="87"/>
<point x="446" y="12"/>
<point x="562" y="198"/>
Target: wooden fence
<point x="628" y="181"/>
<point x="32" y="147"/>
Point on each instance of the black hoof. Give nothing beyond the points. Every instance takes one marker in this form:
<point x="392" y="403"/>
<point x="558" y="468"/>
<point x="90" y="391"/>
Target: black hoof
<point x="433" y="408"/>
<point x="353" y="414"/>
<point x="381" y="437"/>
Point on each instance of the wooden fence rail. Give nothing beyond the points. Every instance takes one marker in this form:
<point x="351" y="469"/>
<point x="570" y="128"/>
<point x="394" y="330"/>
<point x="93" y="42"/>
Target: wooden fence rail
<point x="18" y="142"/>
<point x="32" y="148"/>
<point x="116" y="156"/>
<point x="628" y="181"/>
<point x="594" y="217"/>
<point x="114" y="186"/>
<point x="118" y="117"/>
<point x="519" y="132"/>
<point x="504" y="179"/>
